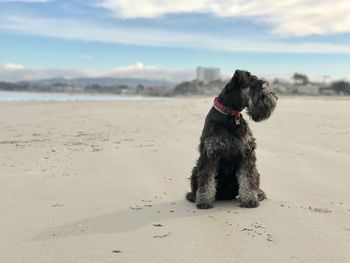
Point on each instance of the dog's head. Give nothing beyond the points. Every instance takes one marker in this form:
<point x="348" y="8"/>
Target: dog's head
<point x="247" y="91"/>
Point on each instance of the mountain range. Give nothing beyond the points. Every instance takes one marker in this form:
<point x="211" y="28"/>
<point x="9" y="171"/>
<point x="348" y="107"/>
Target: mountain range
<point x="104" y="81"/>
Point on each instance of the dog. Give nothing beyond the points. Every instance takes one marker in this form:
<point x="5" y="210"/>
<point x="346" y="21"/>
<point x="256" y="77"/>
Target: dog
<point x="226" y="166"/>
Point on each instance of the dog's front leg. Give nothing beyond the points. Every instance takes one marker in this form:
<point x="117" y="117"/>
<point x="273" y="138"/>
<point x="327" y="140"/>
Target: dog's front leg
<point x="206" y="191"/>
<point x="211" y="150"/>
<point x="248" y="180"/>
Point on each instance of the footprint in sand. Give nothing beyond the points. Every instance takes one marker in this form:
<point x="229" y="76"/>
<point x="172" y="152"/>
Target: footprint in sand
<point x="257" y="230"/>
<point x="162" y="236"/>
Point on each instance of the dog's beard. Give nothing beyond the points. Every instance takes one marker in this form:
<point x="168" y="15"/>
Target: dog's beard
<point x="261" y="104"/>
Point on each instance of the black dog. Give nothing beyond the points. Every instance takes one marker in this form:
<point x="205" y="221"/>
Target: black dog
<point x="226" y="166"/>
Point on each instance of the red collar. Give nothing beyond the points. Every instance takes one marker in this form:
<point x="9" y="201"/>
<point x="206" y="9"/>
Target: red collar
<point x="225" y="110"/>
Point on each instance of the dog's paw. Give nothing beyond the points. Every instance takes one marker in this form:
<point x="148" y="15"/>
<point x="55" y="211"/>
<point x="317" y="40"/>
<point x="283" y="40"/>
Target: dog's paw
<point x="250" y="203"/>
<point x="249" y="200"/>
<point x="204" y="206"/>
<point x="261" y="195"/>
<point x="191" y="197"/>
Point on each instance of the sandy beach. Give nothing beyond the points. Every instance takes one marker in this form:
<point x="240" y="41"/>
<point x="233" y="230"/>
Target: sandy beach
<point x="105" y="182"/>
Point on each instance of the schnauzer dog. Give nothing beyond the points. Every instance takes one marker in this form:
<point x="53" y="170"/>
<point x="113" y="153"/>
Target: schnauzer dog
<point x="226" y="166"/>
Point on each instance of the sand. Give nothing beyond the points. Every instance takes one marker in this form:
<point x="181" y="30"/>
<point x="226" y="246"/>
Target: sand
<point x="105" y="182"/>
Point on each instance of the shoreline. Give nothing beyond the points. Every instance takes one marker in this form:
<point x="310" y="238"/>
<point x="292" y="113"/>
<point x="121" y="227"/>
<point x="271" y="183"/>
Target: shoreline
<point x="54" y="96"/>
<point x="57" y="96"/>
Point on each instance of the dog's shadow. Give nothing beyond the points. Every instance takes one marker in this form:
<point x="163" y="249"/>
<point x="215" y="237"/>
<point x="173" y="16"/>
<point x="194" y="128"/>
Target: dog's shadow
<point x="133" y="218"/>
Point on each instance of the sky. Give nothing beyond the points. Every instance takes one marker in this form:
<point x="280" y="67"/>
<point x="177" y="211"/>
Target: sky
<point x="161" y="39"/>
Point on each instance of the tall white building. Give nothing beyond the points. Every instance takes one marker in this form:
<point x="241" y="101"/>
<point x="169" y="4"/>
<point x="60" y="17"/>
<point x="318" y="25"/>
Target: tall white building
<point x="207" y="75"/>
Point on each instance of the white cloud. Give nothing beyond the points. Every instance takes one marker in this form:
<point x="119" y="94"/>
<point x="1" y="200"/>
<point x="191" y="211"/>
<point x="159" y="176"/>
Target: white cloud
<point x="291" y="17"/>
<point x="13" y="72"/>
<point x="11" y="66"/>
<point x="154" y="8"/>
<point x="140" y="70"/>
<point x="136" y="66"/>
<point x="84" y="30"/>
<point x="75" y="29"/>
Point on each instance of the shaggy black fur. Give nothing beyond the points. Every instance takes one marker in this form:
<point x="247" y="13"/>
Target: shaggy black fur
<point x="226" y="166"/>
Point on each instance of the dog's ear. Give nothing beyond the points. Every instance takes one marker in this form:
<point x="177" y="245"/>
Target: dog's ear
<point x="241" y="78"/>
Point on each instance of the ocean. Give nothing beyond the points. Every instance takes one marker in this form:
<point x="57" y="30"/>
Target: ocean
<point x="37" y="96"/>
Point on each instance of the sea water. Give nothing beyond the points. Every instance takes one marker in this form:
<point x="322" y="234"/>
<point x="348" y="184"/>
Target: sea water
<point x="38" y="96"/>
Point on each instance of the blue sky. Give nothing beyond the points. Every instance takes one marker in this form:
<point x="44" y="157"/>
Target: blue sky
<point x="168" y="39"/>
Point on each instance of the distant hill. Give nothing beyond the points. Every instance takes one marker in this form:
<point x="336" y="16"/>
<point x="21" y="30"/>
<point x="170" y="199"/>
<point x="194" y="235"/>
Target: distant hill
<point x="104" y="81"/>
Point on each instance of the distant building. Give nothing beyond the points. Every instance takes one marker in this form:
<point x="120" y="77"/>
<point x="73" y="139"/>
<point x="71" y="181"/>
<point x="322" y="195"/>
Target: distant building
<point x="207" y="75"/>
<point x="308" y="89"/>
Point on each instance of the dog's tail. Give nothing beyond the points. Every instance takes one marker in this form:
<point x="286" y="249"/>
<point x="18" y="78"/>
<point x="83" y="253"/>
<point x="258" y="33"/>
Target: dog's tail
<point x="191" y="197"/>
